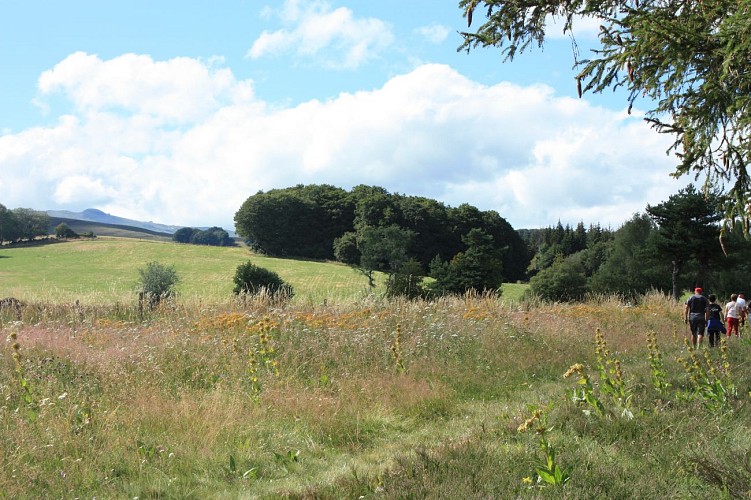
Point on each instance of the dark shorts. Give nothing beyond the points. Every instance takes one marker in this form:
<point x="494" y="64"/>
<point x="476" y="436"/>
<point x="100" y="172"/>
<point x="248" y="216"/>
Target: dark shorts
<point x="697" y="326"/>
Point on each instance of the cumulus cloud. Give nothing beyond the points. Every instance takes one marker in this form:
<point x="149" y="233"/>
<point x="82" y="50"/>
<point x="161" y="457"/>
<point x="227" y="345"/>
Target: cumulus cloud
<point x="318" y="35"/>
<point x="137" y="84"/>
<point x="533" y="156"/>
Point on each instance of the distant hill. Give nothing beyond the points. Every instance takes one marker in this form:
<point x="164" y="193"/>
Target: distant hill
<point x="102" y="229"/>
<point x="94" y="215"/>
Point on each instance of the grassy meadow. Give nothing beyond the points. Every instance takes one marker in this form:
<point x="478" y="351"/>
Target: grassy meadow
<point x="105" y="270"/>
<point x="353" y="396"/>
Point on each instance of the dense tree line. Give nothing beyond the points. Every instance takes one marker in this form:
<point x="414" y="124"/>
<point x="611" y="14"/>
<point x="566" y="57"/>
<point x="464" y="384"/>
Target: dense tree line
<point x="213" y="236"/>
<point x="375" y="230"/>
<point x="22" y="224"/>
<point x="673" y="246"/>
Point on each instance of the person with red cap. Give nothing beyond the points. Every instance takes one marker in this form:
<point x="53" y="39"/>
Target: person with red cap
<point x="695" y="314"/>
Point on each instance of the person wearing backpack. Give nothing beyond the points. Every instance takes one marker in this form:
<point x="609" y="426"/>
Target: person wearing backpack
<point x="715" y="321"/>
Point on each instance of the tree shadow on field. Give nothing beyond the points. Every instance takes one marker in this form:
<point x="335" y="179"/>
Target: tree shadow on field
<point x="33" y="243"/>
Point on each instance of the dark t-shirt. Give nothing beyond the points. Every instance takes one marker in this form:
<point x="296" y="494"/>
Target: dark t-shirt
<point x="715" y="312"/>
<point x="697" y="306"/>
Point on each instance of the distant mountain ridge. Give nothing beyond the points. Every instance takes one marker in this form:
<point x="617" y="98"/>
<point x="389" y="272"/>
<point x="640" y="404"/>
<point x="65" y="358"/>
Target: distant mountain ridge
<point x="94" y="215"/>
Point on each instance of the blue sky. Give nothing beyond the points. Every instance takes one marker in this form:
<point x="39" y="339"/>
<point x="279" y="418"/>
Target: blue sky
<point x="176" y="112"/>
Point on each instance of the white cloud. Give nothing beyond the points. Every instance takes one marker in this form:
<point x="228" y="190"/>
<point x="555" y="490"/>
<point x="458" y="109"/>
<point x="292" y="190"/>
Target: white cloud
<point x="434" y="33"/>
<point x="318" y="35"/>
<point x="532" y="156"/>
<point x="583" y="28"/>
<point x="137" y="84"/>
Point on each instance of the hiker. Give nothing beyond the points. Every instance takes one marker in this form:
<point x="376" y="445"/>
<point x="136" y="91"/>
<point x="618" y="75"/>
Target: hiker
<point x="715" y="321"/>
<point x="742" y="307"/>
<point x="695" y="315"/>
<point x="731" y="313"/>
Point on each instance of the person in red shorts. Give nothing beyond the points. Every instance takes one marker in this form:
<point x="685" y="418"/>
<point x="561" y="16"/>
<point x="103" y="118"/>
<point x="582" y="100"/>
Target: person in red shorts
<point x="742" y="308"/>
<point x="732" y="316"/>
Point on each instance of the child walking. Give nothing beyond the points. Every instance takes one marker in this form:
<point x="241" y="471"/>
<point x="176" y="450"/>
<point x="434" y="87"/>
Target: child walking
<point x="715" y="322"/>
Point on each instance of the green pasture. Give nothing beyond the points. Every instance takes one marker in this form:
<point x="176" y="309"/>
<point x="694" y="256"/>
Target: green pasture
<point x="106" y="269"/>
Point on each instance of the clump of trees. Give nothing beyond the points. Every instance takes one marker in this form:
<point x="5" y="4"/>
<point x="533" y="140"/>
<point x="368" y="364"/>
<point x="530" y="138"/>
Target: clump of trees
<point x="213" y="236"/>
<point x="64" y="232"/>
<point x="376" y="231"/>
<point x="22" y="224"/>
<point x="673" y="246"/>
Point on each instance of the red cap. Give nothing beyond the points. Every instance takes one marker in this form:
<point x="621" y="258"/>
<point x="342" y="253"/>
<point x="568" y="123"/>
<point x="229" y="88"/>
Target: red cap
<point x="697" y="290"/>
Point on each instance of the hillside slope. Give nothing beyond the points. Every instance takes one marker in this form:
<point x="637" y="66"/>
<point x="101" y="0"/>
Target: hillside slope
<point x="104" y="229"/>
<point x="94" y="215"/>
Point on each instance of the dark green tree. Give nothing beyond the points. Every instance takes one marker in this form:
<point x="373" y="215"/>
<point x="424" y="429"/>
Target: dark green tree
<point x="213" y="236"/>
<point x="345" y="249"/>
<point x="8" y="225"/>
<point x="733" y="275"/>
<point x="31" y="223"/>
<point x="564" y="281"/>
<point x="689" y="58"/>
<point x="428" y="219"/>
<point x="382" y="249"/>
<point x="633" y="265"/>
<point x="302" y="221"/>
<point x="479" y="267"/>
<point x="687" y="229"/>
<point x="406" y="281"/>
<point x="184" y="234"/>
<point x="374" y="207"/>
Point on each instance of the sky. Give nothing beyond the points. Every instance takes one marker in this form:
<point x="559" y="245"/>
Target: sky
<point x="177" y="112"/>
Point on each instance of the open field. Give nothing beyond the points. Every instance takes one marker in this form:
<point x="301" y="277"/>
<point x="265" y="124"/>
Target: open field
<point x="105" y="270"/>
<point x="208" y="397"/>
<point x="450" y="399"/>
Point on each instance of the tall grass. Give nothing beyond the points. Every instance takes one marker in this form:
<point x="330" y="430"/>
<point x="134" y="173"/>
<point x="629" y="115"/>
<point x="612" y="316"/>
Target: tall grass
<point x="223" y="398"/>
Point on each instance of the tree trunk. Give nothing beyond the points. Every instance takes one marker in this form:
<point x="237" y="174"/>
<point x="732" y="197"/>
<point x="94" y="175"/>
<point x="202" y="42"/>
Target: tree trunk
<point x="676" y="273"/>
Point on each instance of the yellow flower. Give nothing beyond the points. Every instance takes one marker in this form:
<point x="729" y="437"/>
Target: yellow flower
<point x="577" y="368"/>
<point x="527" y="480"/>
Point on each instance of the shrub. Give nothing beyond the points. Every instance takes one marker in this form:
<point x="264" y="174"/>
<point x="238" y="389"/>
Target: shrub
<point x="157" y="282"/>
<point x="251" y="279"/>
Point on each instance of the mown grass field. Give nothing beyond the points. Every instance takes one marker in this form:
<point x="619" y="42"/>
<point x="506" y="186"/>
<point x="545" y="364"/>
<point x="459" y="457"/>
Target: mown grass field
<point x="208" y="397"/>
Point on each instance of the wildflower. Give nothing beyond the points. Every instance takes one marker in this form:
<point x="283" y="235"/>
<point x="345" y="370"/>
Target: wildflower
<point x="524" y="427"/>
<point x="576" y="368"/>
<point x="527" y="480"/>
